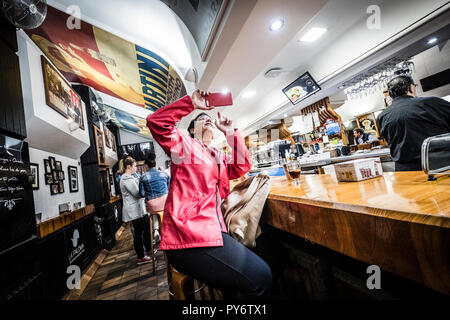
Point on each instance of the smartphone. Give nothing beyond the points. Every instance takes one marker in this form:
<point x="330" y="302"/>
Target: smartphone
<point x="219" y="99"/>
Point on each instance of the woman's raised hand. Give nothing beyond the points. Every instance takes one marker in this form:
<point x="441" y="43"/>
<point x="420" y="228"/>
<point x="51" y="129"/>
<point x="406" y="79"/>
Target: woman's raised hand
<point x="224" y="124"/>
<point x="198" y="100"/>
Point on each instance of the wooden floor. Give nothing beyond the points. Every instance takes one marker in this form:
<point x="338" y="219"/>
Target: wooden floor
<point x="120" y="278"/>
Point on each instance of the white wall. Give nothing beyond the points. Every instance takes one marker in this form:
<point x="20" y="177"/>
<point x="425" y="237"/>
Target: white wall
<point x="44" y="202"/>
<point x="46" y="128"/>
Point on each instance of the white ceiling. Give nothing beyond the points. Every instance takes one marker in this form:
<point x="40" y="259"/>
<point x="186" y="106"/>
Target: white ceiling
<point x="244" y="47"/>
<point x="347" y="40"/>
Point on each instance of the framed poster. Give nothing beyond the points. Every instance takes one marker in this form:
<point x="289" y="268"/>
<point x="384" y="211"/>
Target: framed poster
<point x="100" y="144"/>
<point x="368" y="123"/>
<point x="109" y="139"/>
<point x="73" y="178"/>
<point x="60" y="96"/>
<point x="58" y="166"/>
<point x="34" y="176"/>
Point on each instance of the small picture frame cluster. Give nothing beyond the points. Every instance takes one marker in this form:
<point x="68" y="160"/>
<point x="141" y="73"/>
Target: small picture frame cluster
<point x="54" y="175"/>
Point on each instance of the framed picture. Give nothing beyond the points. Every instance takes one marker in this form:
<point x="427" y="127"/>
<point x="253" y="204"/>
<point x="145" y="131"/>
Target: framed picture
<point x="73" y="178"/>
<point x="58" y="165"/>
<point x="52" y="163"/>
<point x="368" y="123"/>
<point x="55" y="176"/>
<point x="48" y="178"/>
<point x="34" y="176"/>
<point x="61" y="187"/>
<point x="109" y="139"/>
<point x="54" y="189"/>
<point x="47" y="167"/>
<point x="61" y="175"/>
<point x="60" y="96"/>
<point x="100" y="144"/>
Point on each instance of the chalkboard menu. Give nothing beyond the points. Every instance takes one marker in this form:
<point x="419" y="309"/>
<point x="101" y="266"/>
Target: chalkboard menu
<point x="17" y="220"/>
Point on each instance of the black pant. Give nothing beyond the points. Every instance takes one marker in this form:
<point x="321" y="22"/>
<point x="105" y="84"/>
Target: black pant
<point x="141" y="233"/>
<point x="233" y="268"/>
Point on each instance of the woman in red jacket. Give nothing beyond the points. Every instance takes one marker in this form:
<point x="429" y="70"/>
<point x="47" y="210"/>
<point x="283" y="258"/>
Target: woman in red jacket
<point x="194" y="234"/>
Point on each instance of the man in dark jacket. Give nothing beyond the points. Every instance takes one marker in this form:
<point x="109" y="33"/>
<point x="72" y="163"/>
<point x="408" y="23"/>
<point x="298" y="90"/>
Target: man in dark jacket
<point x="409" y="120"/>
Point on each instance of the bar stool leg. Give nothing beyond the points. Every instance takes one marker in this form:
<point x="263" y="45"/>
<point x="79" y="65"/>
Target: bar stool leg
<point x="152" y="246"/>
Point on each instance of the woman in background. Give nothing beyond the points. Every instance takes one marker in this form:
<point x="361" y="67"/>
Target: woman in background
<point x="154" y="187"/>
<point x="134" y="211"/>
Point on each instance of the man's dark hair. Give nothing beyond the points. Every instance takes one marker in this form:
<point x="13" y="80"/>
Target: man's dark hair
<point x="359" y="130"/>
<point x="399" y="86"/>
<point x="192" y="124"/>
<point x="150" y="160"/>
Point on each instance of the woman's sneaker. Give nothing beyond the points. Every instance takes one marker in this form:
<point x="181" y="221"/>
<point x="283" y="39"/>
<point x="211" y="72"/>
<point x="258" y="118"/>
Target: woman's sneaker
<point x="144" y="260"/>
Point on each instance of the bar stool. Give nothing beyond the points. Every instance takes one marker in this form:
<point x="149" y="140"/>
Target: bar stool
<point x="184" y="287"/>
<point x="160" y="218"/>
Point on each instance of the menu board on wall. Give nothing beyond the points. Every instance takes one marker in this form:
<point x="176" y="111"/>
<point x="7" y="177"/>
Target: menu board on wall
<point x="17" y="220"/>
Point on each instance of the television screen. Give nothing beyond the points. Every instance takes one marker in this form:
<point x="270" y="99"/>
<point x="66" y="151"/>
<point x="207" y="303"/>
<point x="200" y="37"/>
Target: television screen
<point x="302" y="87"/>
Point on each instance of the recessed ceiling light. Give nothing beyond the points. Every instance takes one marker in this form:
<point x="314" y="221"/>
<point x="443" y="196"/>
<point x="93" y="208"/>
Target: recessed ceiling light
<point x="432" y="40"/>
<point x="225" y="90"/>
<point x="276" y="24"/>
<point x="313" y="34"/>
<point x="248" y="94"/>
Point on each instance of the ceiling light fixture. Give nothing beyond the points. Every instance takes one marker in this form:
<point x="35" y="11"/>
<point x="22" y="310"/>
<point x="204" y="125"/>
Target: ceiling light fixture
<point x="313" y="34"/>
<point x="248" y="94"/>
<point x="432" y="40"/>
<point x="225" y="90"/>
<point x="276" y="24"/>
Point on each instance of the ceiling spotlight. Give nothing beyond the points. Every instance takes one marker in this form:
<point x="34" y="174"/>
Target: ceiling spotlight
<point x="313" y="34"/>
<point x="285" y="115"/>
<point x="276" y="24"/>
<point x="248" y="94"/>
<point x="225" y="90"/>
<point x="432" y="40"/>
<point x="341" y="87"/>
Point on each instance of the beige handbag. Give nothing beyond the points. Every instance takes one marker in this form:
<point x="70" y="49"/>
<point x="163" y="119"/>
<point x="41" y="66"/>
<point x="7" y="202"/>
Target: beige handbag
<point x="243" y="207"/>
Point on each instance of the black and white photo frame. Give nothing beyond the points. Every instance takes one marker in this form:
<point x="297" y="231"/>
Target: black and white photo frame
<point x="73" y="178"/>
<point x="47" y="167"/>
<point x="34" y="176"/>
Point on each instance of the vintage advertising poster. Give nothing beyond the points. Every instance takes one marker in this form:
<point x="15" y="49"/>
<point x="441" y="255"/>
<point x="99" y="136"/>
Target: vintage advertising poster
<point x="127" y="121"/>
<point x="107" y="63"/>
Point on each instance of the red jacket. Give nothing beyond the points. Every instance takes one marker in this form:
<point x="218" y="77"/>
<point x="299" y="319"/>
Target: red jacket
<point x="192" y="216"/>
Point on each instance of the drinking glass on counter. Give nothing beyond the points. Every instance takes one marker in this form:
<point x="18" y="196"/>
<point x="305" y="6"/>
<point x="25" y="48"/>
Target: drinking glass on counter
<point x="294" y="171"/>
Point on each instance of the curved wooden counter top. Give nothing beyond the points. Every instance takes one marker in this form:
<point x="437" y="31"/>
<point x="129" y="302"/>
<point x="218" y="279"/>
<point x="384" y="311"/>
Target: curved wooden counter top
<point x="400" y="221"/>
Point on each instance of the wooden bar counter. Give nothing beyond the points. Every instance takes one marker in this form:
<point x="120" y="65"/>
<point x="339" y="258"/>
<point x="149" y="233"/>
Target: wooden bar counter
<point x="400" y="221"/>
